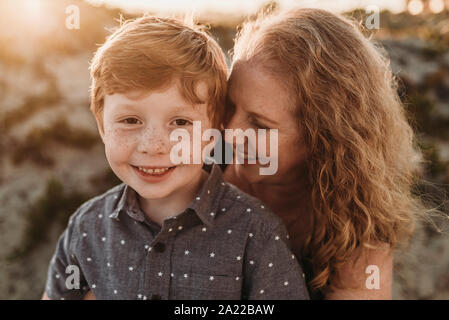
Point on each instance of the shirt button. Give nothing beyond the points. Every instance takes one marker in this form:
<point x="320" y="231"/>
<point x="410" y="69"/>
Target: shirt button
<point x="155" y="297"/>
<point x="159" y="247"/>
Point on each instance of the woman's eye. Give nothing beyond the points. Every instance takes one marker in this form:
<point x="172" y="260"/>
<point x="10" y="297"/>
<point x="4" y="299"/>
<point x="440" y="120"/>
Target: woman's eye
<point x="258" y="125"/>
<point x="130" y="120"/>
<point x="181" y="122"/>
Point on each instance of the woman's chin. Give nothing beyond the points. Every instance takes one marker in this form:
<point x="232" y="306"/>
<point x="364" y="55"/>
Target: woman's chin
<point x="250" y="173"/>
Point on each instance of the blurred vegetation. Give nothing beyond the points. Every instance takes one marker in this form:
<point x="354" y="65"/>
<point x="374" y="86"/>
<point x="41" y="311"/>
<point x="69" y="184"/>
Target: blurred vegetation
<point x="35" y="146"/>
<point x="53" y="209"/>
<point x="435" y="166"/>
<point x="430" y="129"/>
<point x="422" y="114"/>
<point x="8" y="56"/>
<point x="104" y="180"/>
<point x="31" y="106"/>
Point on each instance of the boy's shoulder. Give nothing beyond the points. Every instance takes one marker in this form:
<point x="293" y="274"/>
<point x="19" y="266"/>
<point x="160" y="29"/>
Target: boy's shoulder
<point x="250" y="208"/>
<point x="230" y="206"/>
<point x="98" y="204"/>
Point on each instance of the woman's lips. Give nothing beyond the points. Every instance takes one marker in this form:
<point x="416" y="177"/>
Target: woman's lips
<point x="244" y="156"/>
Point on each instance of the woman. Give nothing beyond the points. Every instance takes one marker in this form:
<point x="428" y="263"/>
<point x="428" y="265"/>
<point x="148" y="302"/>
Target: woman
<point x="346" y="156"/>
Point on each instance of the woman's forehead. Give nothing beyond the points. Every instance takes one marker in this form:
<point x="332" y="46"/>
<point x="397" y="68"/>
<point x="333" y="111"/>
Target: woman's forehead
<point x="255" y="87"/>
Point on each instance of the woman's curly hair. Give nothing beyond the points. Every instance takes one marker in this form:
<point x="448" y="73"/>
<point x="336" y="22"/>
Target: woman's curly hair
<point x="363" y="160"/>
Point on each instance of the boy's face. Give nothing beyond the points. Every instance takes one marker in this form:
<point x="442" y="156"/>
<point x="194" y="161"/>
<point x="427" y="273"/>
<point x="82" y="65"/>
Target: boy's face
<point x="137" y="128"/>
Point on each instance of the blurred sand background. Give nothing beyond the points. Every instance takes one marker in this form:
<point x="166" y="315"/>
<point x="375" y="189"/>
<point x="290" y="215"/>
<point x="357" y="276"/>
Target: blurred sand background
<point x="52" y="159"/>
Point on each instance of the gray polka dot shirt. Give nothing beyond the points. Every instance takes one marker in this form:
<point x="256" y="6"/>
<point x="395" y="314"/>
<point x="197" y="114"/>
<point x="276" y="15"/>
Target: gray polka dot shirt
<point x="225" y="245"/>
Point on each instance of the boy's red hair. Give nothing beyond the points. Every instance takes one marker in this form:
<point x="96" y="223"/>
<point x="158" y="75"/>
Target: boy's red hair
<point x="149" y="52"/>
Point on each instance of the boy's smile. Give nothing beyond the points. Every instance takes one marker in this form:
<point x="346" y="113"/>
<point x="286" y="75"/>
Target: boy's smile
<point x="137" y="128"/>
<point x="153" y="174"/>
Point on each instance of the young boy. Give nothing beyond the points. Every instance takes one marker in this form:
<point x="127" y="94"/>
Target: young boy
<point x="168" y="231"/>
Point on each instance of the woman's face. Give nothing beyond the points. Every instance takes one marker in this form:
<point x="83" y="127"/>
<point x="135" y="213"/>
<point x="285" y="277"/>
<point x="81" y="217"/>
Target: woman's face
<point x="262" y="102"/>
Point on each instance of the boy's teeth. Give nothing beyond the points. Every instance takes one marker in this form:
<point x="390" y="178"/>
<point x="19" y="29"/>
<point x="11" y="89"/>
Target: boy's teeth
<point x="158" y="170"/>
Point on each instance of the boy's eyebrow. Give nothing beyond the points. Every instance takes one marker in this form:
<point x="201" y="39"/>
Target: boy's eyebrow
<point x="186" y="107"/>
<point x="179" y="108"/>
<point x="121" y="106"/>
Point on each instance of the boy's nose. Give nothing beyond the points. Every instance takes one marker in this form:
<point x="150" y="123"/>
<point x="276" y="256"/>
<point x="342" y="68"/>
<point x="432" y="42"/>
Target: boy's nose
<point x="153" y="141"/>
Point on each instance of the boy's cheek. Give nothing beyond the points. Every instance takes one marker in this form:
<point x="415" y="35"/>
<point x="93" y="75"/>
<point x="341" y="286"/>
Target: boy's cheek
<point x="117" y="143"/>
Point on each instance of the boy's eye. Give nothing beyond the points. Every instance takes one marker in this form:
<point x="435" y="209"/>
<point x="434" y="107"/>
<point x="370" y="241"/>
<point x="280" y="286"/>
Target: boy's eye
<point x="129" y="120"/>
<point x="181" y="122"/>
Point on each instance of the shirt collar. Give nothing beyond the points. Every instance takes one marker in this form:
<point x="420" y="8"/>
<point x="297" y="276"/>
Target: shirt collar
<point x="204" y="204"/>
<point x="128" y="203"/>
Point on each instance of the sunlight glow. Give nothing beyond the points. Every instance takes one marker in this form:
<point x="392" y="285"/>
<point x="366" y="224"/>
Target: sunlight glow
<point x="182" y="5"/>
<point x="30" y="10"/>
<point x="415" y="7"/>
<point x="31" y="17"/>
<point x="436" y="6"/>
<point x="245" y="6"/>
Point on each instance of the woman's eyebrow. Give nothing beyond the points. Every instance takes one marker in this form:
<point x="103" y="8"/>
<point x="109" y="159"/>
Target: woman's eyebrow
<point x="257" y="115"/>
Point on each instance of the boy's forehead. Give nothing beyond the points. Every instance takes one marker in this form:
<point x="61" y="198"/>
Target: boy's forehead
<point x="170" y="95"/>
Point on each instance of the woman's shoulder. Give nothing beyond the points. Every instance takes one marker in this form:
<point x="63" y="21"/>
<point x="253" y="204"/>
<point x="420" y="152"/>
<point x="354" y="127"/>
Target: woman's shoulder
<point x="367" y="264"/>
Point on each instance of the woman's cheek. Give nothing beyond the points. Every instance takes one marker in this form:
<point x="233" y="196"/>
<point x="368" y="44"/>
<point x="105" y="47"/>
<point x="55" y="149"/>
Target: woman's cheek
<point x="291" y="153"/>
<point x="285" y="152"/>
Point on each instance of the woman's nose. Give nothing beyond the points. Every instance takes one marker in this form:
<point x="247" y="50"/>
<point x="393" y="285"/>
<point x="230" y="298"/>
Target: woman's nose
<point x="236" y="122"/>
<point x="236" y="127"/>
<point x="154" y="141"/>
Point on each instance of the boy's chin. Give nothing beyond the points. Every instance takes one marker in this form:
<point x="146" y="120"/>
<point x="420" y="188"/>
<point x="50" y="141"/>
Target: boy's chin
<point x="154" y="194"/>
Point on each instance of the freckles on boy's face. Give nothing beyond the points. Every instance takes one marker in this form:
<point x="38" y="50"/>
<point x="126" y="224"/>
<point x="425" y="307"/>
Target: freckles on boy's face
<point x="137" y="128"/>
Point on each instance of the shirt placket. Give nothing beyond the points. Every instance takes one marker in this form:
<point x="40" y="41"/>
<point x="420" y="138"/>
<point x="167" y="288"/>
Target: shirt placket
<point x="158" y="262"/>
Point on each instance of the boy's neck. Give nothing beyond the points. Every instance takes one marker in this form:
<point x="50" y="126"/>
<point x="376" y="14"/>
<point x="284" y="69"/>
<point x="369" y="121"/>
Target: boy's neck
<point x="158" y="210"/>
